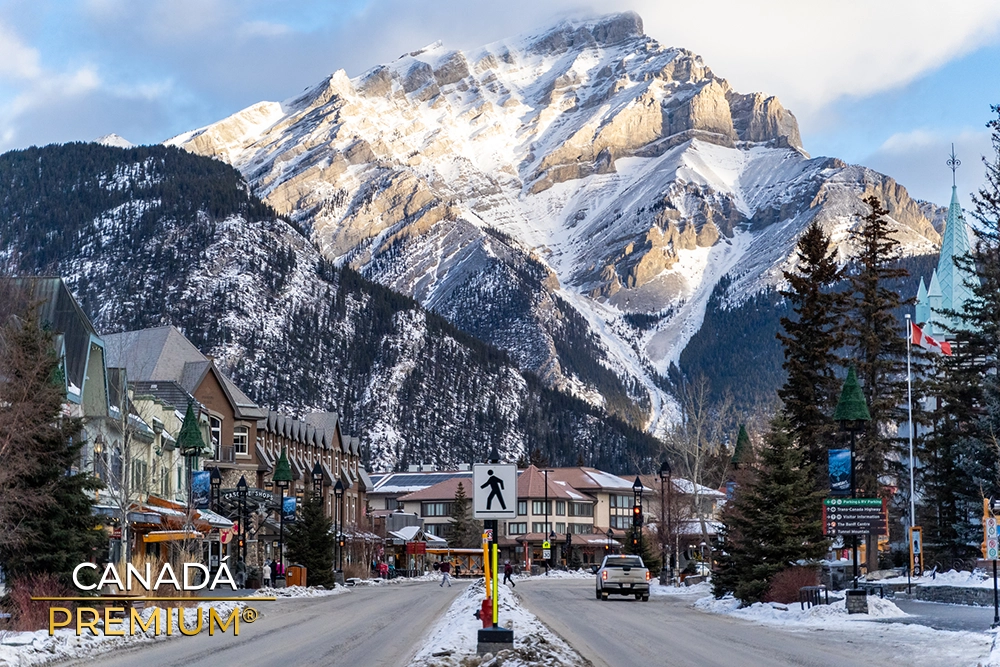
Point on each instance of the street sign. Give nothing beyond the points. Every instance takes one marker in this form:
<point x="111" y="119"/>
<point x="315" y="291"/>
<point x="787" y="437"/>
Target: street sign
<point x="855" y="516"/>
<point x="546" y="554"/>
<point x="494" y="490"/>
<point x="488" y="535"/>
<point x="992" y="547"/>
<point x="546" y="545"/>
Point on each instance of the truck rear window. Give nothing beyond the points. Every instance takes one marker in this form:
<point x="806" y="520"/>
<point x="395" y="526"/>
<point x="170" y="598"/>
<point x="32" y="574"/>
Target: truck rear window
<point x="623" y="562"/>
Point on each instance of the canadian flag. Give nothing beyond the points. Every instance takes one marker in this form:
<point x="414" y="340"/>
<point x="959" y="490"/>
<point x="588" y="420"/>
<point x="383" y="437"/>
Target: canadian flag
<point x="928" y="343"/>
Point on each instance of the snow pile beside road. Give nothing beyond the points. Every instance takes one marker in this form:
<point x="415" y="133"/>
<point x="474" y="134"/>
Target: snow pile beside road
<point x="774" y="613"/>
<point x="701" y="589"/>
<point x="452" y="641"/>
<point x="958" y="578"/>
<point x="36" y="647"/>
<point x="300" y="591"/>
<point x="427" y="576"/>
<point x="565" y="574"/>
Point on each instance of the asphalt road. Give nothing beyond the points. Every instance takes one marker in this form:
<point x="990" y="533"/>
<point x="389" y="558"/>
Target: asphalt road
<point x="370" y="626"/>
<point x="946" y="616"/>
<point x="623" y="632"/>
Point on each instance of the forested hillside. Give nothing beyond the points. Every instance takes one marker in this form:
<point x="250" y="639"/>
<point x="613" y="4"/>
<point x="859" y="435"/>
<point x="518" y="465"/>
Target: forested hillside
<point x="149" y="236"/>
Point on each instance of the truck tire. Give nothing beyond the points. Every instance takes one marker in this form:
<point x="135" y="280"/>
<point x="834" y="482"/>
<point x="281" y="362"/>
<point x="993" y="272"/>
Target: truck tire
<point x="645" y="598"/>
<point x="638" y="596"/>
<point x="604" y="596"/>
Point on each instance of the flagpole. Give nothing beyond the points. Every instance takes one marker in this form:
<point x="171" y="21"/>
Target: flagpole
<point x="909" y="408"/>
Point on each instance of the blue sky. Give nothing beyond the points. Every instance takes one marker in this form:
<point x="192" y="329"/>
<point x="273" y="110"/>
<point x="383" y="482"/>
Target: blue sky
<point x="888" y="84"/>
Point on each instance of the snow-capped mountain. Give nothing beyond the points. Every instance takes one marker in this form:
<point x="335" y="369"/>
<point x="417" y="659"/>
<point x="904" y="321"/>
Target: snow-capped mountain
<point x="539" y="190"/>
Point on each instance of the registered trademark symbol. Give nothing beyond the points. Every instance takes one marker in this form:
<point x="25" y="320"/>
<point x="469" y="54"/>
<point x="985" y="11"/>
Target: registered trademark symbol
<point x="249" y="614"/>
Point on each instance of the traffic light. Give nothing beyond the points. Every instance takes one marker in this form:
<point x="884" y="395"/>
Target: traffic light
<point x="637" y="515"/>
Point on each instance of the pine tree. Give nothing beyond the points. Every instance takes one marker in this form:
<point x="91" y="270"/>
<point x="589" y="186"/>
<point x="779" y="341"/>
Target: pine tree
<point x="310" y="542"/>
<point x="877" y="348"/>
<point x="56" y="535"/>
<point x="772" y="521"/>
<point x="466" y="533"/>
<point x="810" y="342"/>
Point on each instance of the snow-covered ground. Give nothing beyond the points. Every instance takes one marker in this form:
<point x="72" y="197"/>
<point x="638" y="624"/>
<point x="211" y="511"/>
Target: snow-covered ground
<point x="959" y="578"/>
<point x="452" y="641"/>
<point x="934" y="647"/>
<point x="560" y="574"/>
<point x="22" y="649"/>
<point x="427" y="576"/>
<point x="701" y="589"/>
<point x="301" y="591"/>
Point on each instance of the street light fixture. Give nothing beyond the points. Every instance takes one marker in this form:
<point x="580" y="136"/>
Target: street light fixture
<point x="610" y="535"/>
<point x="666" y="486"/>
<point x="241" y="491"/>
<point x="852" y="415"/>
<point x="282" y="478"/>
<point x="636" y="513"/>
<point x="317" y="475"/>
<point x="338" y="492"/>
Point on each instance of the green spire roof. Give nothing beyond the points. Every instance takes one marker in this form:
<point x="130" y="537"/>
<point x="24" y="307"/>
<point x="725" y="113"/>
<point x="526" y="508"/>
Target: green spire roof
<point x="189" y="439"/>
<point x="282" y="471"/>
<point x="851" y="407"/>
<point x="742" y="450"/>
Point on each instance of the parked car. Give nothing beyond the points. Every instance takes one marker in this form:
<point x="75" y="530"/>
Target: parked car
<point x="623" y="575"/>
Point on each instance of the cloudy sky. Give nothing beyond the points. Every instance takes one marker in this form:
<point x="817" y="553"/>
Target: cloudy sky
<point x="889" y="84"/>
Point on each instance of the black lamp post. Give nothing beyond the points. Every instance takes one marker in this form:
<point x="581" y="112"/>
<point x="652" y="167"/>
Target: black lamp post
<point x="317" y="475"/>
<point x="852" y="415"/>
<point x="338" y="492"/>
<point x="215" y="479"/>
<point x="282" y="478"/>
<point x="241" y="490"/>
<point x="552" y="548"/>
<point x="610" y="535"/>
<point x="636" y="513"/>
<point x="666" y="486"/>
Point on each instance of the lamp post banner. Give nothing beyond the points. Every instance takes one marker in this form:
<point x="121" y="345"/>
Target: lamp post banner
<point x="288" y="509"/>
<point x="840" y="472"/>
<point x="201" y="485"/>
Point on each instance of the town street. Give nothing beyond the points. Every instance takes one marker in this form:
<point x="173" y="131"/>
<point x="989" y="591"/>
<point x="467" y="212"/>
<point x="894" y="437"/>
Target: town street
<point x="623" y="632"/>
<point x="372" y="626"/>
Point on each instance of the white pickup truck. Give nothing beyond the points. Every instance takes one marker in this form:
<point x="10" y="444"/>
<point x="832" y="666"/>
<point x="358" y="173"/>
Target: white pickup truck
<point x="623" y="575"/>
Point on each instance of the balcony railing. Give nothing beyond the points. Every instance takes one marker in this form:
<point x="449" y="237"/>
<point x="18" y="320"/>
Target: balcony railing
<point x="225" y="454"/>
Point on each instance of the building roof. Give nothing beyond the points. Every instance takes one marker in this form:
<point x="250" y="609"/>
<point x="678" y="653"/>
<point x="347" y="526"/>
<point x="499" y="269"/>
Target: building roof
<point x="163" y="353"/>
<point x="443" y="490"/>
<point x="531" y="484"/>
<point x="409" y="482"/>
<point x="168" y="391"/>
<point x="59" y="311"/>
<point x="593" y="480"/>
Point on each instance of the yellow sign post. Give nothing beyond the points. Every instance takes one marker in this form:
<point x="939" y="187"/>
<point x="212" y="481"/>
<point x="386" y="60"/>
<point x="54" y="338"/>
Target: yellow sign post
<point x="486" y="565"/>
<point x="495" y="591"/>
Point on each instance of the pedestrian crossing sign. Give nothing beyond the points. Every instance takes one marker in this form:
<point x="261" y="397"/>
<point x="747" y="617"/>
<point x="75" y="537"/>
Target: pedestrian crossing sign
<point x="494" y="490"/>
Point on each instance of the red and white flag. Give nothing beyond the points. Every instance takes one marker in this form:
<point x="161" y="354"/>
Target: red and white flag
<point x="923" y="340"/>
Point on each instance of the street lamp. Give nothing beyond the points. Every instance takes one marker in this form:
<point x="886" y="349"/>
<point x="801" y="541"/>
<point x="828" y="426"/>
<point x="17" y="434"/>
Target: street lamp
<point x="241" y="490"/>
<point x="610" y="534"/>
<point x="666" y="486"/>
<point x="215" y="479"/>
<point x="636" y="513"/>
<point x="338" y="492"/>
<point x="852" y="414"/>
<point x="281" y="478"/>
<point x="317" y="475"/>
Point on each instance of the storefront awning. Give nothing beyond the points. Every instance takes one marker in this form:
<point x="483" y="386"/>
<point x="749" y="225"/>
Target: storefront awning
<point x="171" y="535"/>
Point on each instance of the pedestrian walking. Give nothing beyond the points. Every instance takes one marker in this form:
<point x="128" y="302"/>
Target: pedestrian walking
<point x="383" y="570"/>
<point x="508" y="570"/>
<point x="265" y="573"/>
<point x="445" y="579"/>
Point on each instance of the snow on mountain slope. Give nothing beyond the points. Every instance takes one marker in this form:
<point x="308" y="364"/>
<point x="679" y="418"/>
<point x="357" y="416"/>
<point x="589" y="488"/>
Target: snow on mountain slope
<point x="537" y="189"/>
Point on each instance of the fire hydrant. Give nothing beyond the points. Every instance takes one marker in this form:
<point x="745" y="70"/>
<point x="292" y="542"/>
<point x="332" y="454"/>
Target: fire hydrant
<point x="485" y="613"/>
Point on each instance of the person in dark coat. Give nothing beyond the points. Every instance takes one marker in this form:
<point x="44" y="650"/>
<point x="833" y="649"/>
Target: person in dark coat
<point x="445" y="569"/>
<point x="508" y="570"/>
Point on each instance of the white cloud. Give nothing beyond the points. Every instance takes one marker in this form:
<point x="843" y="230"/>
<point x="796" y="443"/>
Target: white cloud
<point x="917" y="159"/>
<point x="17" y="60"/>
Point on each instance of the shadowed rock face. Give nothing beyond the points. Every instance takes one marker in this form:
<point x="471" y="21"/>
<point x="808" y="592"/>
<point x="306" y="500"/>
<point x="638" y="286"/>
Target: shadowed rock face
<point x="585" y="161"/>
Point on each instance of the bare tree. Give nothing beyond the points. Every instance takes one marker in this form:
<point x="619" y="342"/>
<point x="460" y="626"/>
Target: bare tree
<point x="696" y="442"/>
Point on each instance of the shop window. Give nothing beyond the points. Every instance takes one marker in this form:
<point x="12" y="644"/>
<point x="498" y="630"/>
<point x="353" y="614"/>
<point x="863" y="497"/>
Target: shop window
<point x="560" y="508"/>
<point x="241" y="440"/>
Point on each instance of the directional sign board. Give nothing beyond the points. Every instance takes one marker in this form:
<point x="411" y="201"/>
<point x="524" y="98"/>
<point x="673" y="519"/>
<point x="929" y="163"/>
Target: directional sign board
<point x="855" y="516"/>
<point x="494" y="490"/>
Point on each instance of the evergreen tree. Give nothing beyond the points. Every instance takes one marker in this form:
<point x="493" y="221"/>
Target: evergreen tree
<point x="59" y="533"/>
<point x="743" y="452"/>
<point x="466" y="532"/>
<point x="772" y="521"/>
<point x="810" y="341"/>
<point x="974" y="392"/>
<point x="310" y="541"/>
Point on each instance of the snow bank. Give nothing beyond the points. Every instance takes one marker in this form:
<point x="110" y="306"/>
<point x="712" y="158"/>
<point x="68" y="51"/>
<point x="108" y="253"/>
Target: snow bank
<point x="561" y="574"/>
<point x="774" y="613"/>
<point x="700" y="589"/>
<point x="427" y="576"/>
<point x="957" y="578"/>
<point x="301" y="591"/>
<point x="455" y="635"/>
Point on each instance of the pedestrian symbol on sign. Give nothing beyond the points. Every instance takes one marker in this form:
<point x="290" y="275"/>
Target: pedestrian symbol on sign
<point x="494" y="490"/>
